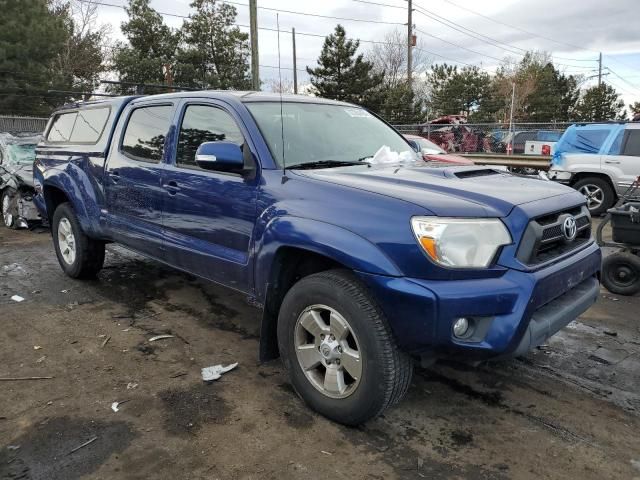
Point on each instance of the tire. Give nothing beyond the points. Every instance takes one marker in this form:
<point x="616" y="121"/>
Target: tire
<point x="599" y="193"/>
<point x="9" y="217"/>
<point x="385" y="372"/>
<point x="621" y="273"/>
<point x="79" y="255"/>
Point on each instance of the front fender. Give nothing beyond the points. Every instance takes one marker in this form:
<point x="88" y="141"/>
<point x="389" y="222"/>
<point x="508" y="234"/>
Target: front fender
<point x="77" y="187"/>
<point x="331" y="241"/>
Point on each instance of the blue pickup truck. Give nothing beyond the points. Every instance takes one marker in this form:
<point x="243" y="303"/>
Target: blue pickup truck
<point x="363" y="262"/>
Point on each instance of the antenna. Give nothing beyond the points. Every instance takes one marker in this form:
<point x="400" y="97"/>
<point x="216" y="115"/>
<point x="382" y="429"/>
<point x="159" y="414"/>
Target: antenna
<point x="284" y="171"/>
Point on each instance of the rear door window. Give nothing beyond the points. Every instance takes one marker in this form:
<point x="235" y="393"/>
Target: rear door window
<point x="146" y="132"/>
<point x="61" y="127"/>
<point x="632" y="143"/>
<point x="89" y="125"/>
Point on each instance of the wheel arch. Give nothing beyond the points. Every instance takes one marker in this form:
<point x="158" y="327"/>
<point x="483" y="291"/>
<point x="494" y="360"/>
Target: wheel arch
<point x="292" y="248"/>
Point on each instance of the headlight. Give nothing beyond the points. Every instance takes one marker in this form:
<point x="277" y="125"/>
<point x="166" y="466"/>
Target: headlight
<point x="460" y="242"/>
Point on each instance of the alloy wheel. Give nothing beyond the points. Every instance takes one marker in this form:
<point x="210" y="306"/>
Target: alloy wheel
<point x="66" y="241"/>
<point x="328" y="351"/>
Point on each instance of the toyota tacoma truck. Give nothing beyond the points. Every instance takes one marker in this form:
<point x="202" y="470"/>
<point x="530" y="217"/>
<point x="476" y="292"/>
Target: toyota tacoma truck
<point x="362" y="258"/>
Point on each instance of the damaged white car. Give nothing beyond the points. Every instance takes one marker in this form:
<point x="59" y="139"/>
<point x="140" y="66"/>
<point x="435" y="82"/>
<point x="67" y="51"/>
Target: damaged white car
<point x="17" y="154"/>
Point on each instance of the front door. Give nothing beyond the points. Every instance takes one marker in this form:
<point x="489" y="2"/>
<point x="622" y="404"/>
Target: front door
<point x="133" y="179"/>
<point x="625" y="165"/>
<point x="209" y="215"/>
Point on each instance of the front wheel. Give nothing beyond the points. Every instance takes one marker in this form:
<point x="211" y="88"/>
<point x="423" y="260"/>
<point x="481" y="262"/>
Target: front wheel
<point x="621" y="273"/>
<point x="338" y="349"/>
<point x="9" y="212"/>
<point x="79" y="255"/>
<point x="600" y="196"/>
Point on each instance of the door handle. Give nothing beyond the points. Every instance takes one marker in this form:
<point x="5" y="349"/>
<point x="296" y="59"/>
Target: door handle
<point x="171" y="187"/>
<point x="114" y="175"/>
<point x="612" y="162"/>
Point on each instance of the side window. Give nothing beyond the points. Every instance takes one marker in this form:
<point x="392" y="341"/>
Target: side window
<point x="615" y="147"/>
<point x="145" y="133"/>
<point x="89" y="125"/>
<point x="202" y="123"/>
<point x="632" y="143"/>
<point x="61" y="127"/>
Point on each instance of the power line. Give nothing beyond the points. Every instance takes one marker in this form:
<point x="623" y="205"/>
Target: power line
<point x="478" y="36"/>
<point x="522" y="30"/>
<point x="635" y="87"/>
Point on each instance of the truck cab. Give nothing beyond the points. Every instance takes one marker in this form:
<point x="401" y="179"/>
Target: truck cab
<point x="363" y="258"/>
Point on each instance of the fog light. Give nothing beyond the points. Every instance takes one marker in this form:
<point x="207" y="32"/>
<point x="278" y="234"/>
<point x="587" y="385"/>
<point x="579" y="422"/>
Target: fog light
<point x="461" y="327"/>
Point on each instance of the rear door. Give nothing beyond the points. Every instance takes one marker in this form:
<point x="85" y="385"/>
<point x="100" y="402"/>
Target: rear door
<point x="209" y="216"/>
<point x="133" y="178"/>
<point x="624" y="157"/>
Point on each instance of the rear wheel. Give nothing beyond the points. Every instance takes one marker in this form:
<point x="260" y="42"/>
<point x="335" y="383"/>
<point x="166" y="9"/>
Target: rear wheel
<point x="621" y="273"/>
<point x="9" y="213"/>
<point x="338" y="349"/>
<point x="600" y="196"/>
<point x="79" y="255"/>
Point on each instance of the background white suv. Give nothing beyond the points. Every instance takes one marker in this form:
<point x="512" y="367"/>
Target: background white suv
<point x="599" y="160"/>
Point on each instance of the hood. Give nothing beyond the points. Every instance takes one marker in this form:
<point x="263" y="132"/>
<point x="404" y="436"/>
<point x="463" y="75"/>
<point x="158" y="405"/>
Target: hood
<point x="453" y="191"/>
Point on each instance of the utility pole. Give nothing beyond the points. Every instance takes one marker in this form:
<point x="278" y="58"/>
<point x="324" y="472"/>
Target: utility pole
<point x="255" y="59"/>
<point x="513" y="98"/>
<point x="600" y="70"/>
<point x="295" y="62"/>
<point x="409" y="41"/>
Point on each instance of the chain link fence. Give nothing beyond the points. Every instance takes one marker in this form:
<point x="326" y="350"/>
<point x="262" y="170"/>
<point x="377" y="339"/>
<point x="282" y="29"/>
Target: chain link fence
<point x="486" y="137"/>
<point x="13" y="124"/>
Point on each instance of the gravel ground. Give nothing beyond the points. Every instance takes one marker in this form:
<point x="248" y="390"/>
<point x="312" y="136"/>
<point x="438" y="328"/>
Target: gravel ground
<point x="568" y="410"/>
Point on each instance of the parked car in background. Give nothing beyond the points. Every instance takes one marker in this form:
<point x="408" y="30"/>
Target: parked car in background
<point x="544" y="143"/>
<point x="433" y="153"/>
<point x="601" y="161"/>
<point x="17" y="154"/>
<point x="362" y="257"/>
<point x="451" y="133"/>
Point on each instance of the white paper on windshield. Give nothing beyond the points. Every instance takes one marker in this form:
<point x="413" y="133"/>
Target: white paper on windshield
<point x="357" y="112"/>
<point x="386" y="155"/>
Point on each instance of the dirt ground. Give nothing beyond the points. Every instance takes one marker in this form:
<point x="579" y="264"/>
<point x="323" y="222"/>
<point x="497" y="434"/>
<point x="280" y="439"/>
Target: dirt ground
<point x="568" y="410"/>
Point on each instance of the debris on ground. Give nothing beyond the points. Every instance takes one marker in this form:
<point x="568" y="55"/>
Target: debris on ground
<point x="17" y="298"/>
<point x="91" y="440"/>
<point x="160" y="337"/>
<point x="106" y="340"/>
<point x="210" y="374"/>
<point x="37" y="347"/>
<point x="115" y="406"/>
<point x="41" y="359"/>
<point x="17" y="379"/>
<point x="131" y="385"/>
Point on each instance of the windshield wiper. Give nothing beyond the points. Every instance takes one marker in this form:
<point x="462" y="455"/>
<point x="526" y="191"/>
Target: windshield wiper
<point x="322" y="164"/>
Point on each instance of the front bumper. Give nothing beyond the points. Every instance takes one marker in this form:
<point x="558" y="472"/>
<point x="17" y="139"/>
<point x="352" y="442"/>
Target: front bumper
<point x="512" y="313"/>
<point x="560" y="176"/>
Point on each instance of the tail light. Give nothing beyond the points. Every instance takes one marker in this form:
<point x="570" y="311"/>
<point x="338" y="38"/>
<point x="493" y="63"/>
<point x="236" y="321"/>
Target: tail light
<point x="546" y="149"/>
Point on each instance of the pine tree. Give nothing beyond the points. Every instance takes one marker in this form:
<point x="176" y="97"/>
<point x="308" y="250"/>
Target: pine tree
<point x="214" y="52"/>
<point x="151" y="46"/>
<point x="343" y="75"/>
<point x="30" y="37"/>
<point x="600" y="103"/>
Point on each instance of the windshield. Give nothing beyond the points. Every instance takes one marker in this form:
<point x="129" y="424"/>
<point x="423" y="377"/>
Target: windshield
<point x="18" y="155"/>
<point x="316" y="132"/>
<point x="428" y="147"/>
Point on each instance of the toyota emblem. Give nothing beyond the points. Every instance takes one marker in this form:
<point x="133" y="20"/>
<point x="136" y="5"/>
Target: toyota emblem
<point x="569" y="229"/>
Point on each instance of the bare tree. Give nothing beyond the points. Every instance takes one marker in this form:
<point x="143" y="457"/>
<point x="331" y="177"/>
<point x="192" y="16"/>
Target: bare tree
<point x="390" y="56"/>
<point x="86" y="47"/>
<point x="274" y="85"/>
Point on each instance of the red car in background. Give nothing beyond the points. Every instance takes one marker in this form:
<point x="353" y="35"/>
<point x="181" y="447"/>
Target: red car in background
<point x="433" y="153"/>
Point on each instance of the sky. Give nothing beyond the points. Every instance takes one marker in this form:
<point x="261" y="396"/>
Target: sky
<point x="474" y="32"/>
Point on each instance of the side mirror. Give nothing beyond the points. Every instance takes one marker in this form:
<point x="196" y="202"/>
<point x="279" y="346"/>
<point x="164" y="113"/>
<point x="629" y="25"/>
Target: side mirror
<point x="414" y="145"/>
<point x="220" y="156"/>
